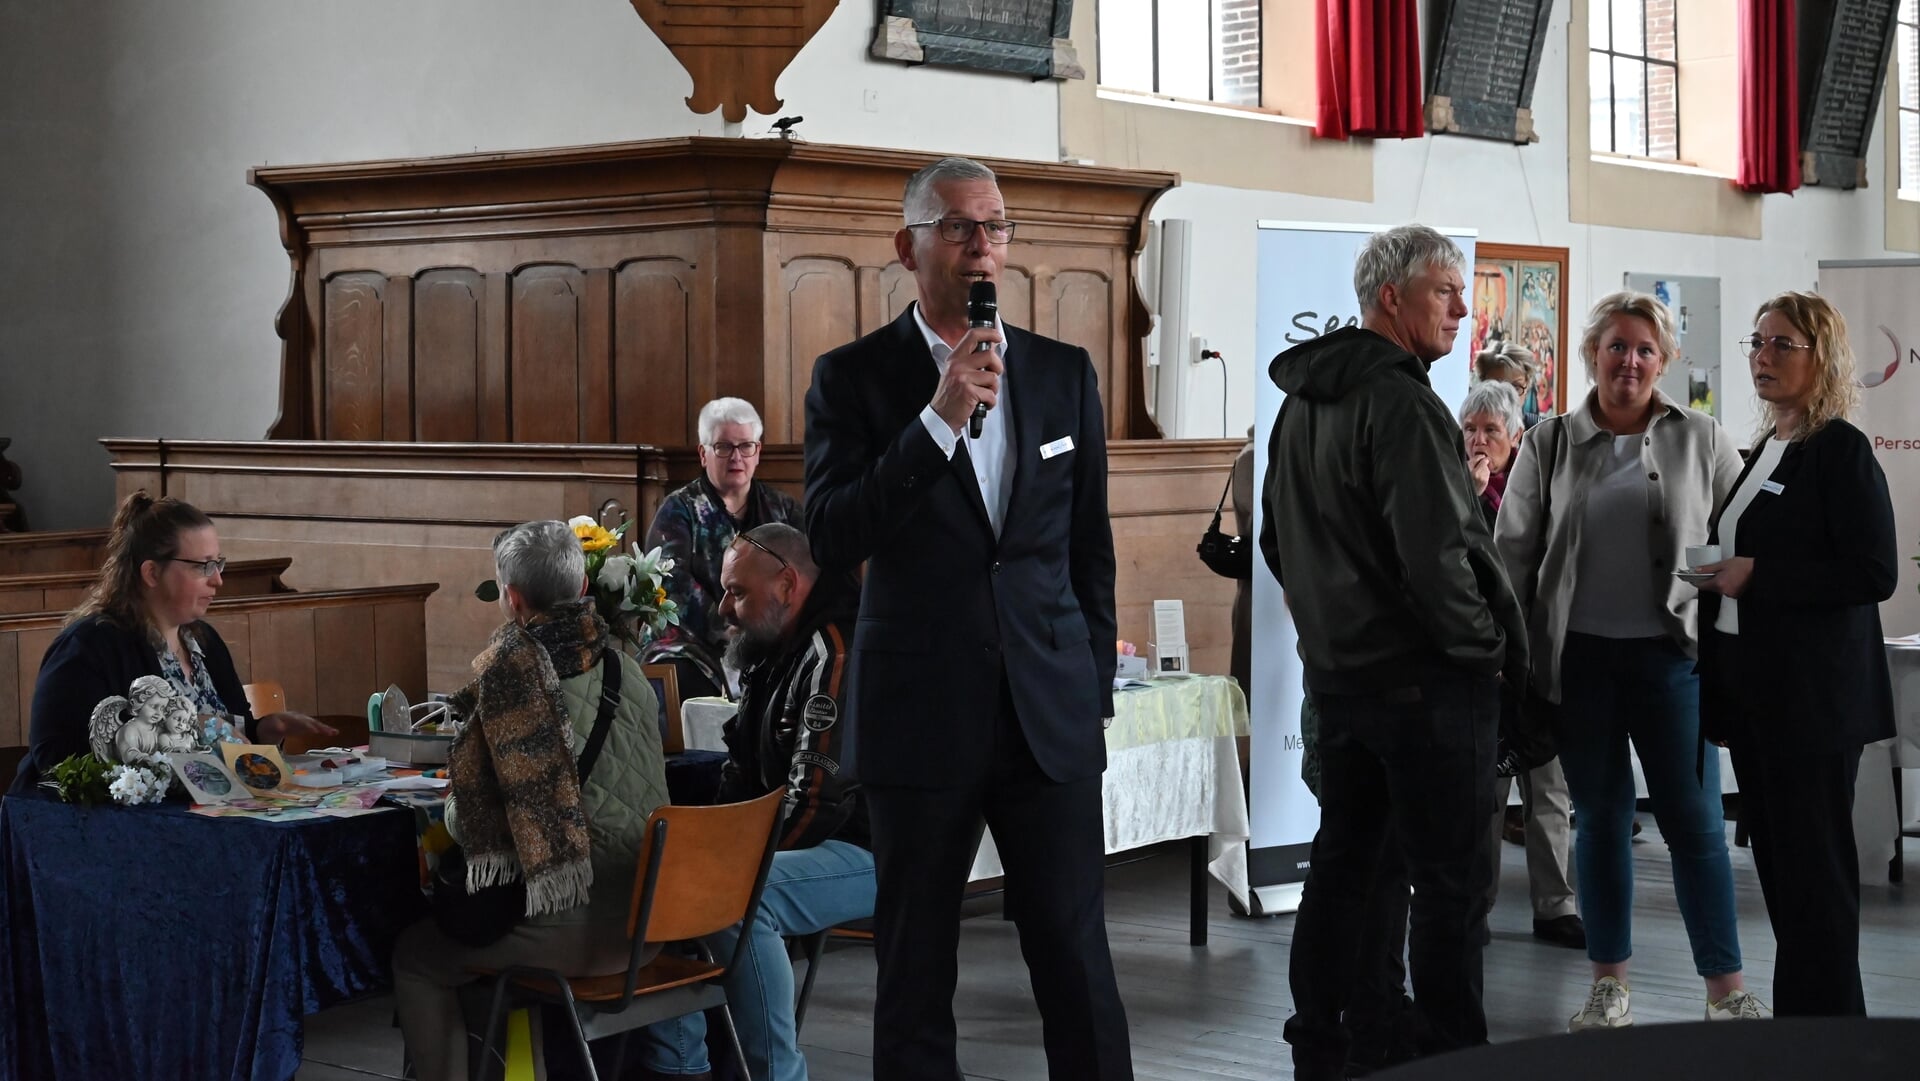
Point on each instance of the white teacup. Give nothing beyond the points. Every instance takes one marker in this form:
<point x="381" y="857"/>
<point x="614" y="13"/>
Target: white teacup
<point x="1699" y="555"/>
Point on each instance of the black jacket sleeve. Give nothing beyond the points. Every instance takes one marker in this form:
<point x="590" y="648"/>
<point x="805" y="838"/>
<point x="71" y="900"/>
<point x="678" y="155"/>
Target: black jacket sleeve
<point x="81" y="668"/>
<point x="1091" y="561"/>
<point x="819" y="799"/>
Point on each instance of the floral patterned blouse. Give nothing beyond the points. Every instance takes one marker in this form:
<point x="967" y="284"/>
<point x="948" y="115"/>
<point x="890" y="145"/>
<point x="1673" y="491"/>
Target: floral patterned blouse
<point x="695" y="528"/>
<point x="216" y="721"/>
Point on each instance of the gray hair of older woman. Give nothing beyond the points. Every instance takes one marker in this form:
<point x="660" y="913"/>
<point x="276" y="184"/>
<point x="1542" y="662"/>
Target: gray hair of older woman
<point x="1397" y="256"/>
<point x="542" y="560"/>
<point x="1495" y="398"/>
<point x="1504" y="360"/>
<point x="729" y="411"/>
<point x="1627" y="302"/>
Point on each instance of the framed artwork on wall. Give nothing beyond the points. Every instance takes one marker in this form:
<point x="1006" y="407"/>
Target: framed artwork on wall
<point x="1520" y="294"/>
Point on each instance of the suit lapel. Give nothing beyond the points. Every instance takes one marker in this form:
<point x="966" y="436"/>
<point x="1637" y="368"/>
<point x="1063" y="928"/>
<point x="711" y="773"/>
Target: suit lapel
<point x="962" y="466"/>
<point x="1026" y="395"/>
<point x="914" y="384"/>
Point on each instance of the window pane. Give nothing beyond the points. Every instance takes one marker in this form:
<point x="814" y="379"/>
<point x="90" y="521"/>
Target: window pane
<point x="1907" y="58"/>
<point x="1185" y="55"/>
<point x="1660" y="29"/>
<point x="1236" y="51"/>
<point x="1126" y="44"/>
<point x="1910" y="151"/>
<point x="1597" y="37"/>
<point x="1662" y="113"/>
<point x="1629" y="107"/>
<point x="1627" y="16"/>
<point x="1600" y="100"/>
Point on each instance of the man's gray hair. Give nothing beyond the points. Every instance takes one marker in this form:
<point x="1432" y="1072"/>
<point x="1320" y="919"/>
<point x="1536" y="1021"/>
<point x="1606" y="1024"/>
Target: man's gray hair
<point x="1397" y="256"/>
<point x="543" y="561"/>
<point x="789" y="544"/>
<point x="1494" y="398"/>
<point x="729" y="411"/>
<point x="922" y="203"/>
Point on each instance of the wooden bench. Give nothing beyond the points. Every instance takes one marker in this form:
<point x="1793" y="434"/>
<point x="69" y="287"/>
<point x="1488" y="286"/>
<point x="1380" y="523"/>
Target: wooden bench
<point x="61" y="591"/>
<point x="52" y="550"/>
<point x="330" y="650"/>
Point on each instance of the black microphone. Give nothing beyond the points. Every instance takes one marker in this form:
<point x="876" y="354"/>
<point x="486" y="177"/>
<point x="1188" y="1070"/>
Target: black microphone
<point x="982" y="306"/>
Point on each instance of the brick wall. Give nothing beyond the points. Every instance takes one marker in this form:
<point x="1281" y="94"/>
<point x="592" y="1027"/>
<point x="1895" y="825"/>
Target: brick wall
<point x="1663" y="92"/>
<point x="1237" y="33"/>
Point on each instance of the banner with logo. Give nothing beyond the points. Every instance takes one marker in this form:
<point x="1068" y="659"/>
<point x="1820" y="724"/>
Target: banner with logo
<point x="1305" y="289"/>
<point x="1878" y="299"/>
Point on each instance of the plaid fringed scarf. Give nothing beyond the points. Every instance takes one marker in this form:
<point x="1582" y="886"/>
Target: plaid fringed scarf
<point x="512" y="768"/>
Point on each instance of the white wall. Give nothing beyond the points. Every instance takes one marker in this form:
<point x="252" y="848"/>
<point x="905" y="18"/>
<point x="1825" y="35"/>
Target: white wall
<point x="1512" y="195"/>
<point x="141" y="274"/>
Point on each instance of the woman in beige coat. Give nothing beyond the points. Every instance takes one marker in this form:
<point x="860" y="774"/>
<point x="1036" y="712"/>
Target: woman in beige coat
<point x="1598" y="513"/>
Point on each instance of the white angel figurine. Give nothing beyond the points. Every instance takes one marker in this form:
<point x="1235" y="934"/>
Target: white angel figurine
<point x="116" y="737"/>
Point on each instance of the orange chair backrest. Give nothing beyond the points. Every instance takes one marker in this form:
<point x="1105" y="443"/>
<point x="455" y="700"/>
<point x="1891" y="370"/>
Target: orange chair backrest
<point x="709" y="865"/>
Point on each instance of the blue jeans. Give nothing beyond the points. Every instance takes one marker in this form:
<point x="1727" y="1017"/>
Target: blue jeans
<point x="1643" y="689"/>
<point x="808" y="890"/>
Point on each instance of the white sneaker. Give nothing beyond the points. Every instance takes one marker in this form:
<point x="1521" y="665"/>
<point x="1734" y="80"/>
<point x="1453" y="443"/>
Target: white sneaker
<point x="1606" y="1007"/>
<point x="1738" y="1006"/>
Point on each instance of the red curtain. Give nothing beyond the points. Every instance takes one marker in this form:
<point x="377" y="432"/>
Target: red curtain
<point x="1367" y="67"/>
<point x="1769" y="97"/>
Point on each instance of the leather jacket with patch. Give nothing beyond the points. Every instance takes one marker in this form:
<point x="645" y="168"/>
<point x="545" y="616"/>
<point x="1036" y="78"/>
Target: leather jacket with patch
<point x="789" y="731"/>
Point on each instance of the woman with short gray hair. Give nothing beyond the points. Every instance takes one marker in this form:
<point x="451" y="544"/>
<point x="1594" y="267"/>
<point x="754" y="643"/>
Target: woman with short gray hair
<point x="1603" y="502"/>
<point x="532" y="800"/>
<point x="696" y="523"/>
<point x="1513" y="364"/>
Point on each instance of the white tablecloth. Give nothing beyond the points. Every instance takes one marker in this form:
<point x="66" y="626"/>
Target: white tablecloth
<point x="1173" y="770"/>
<point x="1876" y="819"/>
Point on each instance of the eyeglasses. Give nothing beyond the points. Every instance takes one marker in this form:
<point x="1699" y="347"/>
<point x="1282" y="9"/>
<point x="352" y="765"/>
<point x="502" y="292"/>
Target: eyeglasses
<point x="748" y="449"/>
<point x="960" y="230"/>
<point x="749" y="539"/>
<point x="206" y="568"/>
<point x="1753" y="343"/>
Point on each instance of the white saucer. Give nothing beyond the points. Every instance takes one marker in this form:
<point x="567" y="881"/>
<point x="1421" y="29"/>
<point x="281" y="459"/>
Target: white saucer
<point x="1693" y="577"/>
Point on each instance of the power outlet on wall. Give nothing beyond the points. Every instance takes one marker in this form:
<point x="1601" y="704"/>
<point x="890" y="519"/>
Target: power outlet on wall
<point x="1196" y="350"/>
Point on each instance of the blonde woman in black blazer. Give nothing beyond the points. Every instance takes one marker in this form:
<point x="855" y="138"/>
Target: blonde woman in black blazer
<point x="1795" y="669"/>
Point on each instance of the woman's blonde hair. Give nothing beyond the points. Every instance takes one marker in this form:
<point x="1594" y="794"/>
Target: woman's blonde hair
<point x="1835" y="393"/>
<point x="144" y="529"/>
<point x="1627" y="302"/>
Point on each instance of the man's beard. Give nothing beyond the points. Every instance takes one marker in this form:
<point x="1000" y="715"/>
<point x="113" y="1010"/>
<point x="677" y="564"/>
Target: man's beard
<point x="752" y="645"/>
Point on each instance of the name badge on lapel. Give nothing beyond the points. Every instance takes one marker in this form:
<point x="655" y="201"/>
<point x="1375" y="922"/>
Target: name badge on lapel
<point x="1058" y="446"/>
<point x="1772" y="487"/>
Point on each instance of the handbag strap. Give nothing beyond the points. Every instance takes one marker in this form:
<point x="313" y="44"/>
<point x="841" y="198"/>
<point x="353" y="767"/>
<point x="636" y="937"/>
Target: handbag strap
<point x="1218" y="507"/>
<point x="609" y="701"/>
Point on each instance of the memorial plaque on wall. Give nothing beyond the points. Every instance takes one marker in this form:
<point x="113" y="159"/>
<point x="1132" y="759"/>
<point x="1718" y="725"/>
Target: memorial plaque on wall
<point x="1024" y="37"/>
<point x="1486" y="55"/>
<point x="1844" y="48"/>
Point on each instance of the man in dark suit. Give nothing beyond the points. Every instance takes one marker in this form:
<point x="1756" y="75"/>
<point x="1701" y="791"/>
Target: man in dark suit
<point x="983" y="657"/>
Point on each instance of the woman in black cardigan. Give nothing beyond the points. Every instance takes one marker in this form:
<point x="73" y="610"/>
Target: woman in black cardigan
<point x="145" y="617"/>
<point x="1795" y="669"/>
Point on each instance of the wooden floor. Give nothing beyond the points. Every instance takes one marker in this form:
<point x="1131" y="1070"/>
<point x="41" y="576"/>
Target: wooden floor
<point x="1216" y="1012"/>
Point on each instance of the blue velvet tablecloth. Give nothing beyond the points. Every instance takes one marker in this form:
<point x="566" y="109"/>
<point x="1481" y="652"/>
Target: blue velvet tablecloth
<point x="152" y="942"/>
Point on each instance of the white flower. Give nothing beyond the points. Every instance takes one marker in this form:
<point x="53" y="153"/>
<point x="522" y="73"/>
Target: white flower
<point x="134" y="785"/>
<point x="616" y="574"/>
<point x="579" y="520"/>
<point x="652" y="565"/>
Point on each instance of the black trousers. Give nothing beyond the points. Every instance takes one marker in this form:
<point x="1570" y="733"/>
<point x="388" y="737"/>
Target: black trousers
<point x="1051" y="838"/>
<point x="1798" y="807"/>
<point x="1415" y="764"/>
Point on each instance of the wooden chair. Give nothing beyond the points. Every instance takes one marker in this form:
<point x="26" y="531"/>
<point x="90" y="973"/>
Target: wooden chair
<point x="665" y="681"/>
<point x="704" y="881"/>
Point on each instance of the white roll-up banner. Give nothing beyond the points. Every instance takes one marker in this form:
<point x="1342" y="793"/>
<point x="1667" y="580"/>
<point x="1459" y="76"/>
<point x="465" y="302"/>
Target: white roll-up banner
<point x="1304" y="288"/>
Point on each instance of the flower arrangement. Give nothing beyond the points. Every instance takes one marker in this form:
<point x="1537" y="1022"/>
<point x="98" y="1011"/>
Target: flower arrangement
<point x="86" y="779"/>
<point x="629" y="589"/>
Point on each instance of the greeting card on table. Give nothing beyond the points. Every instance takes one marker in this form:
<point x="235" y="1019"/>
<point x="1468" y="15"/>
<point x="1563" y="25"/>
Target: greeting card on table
<point x="207" y="778"/>
<point x="260" y="769"/>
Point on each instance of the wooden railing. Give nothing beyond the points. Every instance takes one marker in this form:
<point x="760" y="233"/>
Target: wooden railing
<point x="60" y="591"/>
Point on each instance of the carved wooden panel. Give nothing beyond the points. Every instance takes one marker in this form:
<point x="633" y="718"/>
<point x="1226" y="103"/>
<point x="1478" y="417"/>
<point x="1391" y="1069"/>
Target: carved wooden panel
<point x="354" y="344"/>
<point x="51" y="551"/>
<point x="548" y="318"/>
<point x="652" y="337"/>
<point x="602" y="293"/>
<point x="449" y="322"/>
<point x="734" y="49"/>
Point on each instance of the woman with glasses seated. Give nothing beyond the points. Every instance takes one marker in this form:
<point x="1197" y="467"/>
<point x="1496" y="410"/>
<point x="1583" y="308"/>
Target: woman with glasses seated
<point x="695" y="525"/>
<point x="145" y="616"/>
<point x="1793" y="673"/>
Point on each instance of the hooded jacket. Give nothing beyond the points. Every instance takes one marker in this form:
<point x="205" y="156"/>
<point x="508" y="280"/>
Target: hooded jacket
<point x="1372" y="526"/>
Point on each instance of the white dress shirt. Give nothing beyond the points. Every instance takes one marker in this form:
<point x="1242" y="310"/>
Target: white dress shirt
<point x="992" y="453"/>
